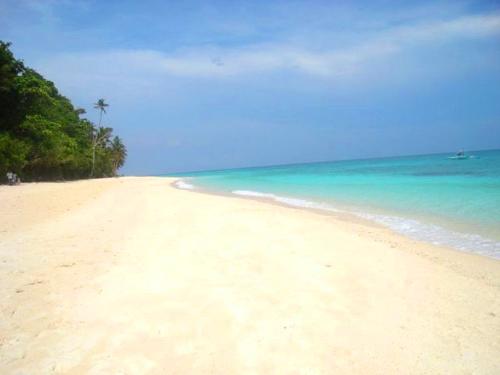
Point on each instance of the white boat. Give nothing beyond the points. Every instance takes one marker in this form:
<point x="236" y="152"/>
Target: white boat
<point x="460" y="155"/>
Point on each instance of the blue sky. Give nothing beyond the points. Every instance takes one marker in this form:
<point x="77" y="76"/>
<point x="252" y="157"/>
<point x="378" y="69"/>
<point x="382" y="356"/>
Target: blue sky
<point x="205" y="85"/>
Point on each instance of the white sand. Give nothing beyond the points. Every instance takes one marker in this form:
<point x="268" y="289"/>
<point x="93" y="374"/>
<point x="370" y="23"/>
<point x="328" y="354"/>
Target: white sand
<point x="132" y="276"/>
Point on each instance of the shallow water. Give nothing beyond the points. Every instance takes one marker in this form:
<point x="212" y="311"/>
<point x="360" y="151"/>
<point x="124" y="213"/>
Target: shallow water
<point x="428" y="197"/>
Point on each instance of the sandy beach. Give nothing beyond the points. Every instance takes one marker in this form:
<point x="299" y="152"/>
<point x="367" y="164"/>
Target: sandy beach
<point x="132" y="276"/>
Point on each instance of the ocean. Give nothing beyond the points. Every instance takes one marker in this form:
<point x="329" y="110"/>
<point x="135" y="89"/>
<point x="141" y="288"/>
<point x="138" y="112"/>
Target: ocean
<point x="433" y="198"/>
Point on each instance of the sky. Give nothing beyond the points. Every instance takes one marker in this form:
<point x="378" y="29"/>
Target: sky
<point x="195" y="85"/>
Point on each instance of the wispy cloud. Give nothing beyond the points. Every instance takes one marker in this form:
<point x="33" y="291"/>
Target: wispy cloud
<point x="334" y="63"/>
<point x="218" y="62"/>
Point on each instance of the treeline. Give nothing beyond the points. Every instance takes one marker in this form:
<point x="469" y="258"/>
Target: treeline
<point x="43" y="136"/>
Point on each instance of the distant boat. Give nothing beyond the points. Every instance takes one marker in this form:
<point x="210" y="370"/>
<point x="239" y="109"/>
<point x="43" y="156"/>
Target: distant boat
<point x="460" y="155"/>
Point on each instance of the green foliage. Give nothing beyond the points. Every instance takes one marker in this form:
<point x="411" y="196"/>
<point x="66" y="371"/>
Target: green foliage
<point x="118" y="153"/>
<point x="42" y="136"/>
<point x="13" y="153"/>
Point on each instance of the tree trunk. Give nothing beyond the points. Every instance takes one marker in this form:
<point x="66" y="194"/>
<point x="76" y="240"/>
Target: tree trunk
<point x="93" y="159"/>
<point x="94" y="146"/>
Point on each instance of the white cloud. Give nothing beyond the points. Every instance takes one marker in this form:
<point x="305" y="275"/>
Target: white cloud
<point x="336" y="62"/>
<point x="144" y="67"/>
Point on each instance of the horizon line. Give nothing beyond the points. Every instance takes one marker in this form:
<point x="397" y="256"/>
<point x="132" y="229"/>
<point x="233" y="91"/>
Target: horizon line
<point x="308" y="162"/>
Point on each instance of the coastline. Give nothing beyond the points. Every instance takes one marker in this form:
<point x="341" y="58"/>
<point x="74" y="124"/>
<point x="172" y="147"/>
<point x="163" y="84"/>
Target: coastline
<point x="133" y="275"/>
<point x="373" y="230"/>
<point x="415" y="229"/>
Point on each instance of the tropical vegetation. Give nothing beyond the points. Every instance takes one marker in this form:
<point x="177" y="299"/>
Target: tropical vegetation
<point x="43" y="136"/>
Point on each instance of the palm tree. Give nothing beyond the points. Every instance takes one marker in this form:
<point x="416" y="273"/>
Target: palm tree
<point x="119" y="153"/>
<point x="80" y="111"/>
<point x="101" y="105"/>
<point x="97" y="135"/>
<point x="100" y="137"/>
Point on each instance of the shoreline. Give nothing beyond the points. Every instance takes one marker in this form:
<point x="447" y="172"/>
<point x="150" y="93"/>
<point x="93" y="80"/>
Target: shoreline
<point x="133" y="275"/>
<point x="367" y="219"/>
<point x="374" y="230"/>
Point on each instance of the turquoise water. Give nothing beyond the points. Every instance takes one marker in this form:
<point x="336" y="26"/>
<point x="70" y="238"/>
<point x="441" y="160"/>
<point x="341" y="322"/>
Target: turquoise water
<point x="429" y="197"/>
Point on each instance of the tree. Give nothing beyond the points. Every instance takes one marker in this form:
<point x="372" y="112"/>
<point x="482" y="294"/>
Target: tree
<point x="101" y="105"/>
<point x="13" y="154"/>
<point x="80" y="111"/>
<point x="100" y="138"/>
<point x="51" y="148"/>
<point x="43" y="136"/>
<point x="118" y="154"/>
<point x="10" y="69"/>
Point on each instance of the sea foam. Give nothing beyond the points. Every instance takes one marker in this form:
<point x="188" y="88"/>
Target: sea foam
<point x="296" y="202"/>
<point x="409" y="227"/>
<point x="437" y="235"/>
<point x="180" y="184"/>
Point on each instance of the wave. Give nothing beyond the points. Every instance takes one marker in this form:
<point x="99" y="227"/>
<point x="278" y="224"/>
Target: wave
<point x="296" y="202"/>
<point x="437" y="235"/>
<point x="409" y="227"/>
<point x="181" y="184"/>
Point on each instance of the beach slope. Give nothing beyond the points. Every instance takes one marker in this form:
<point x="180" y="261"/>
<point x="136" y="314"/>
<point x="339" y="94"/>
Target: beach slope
<point x="132" y="276"/>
